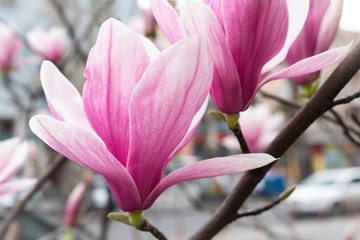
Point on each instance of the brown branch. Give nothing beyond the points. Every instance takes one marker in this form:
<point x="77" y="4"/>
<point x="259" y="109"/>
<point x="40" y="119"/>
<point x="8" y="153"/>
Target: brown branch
<point x="285" y="102"/>
<point x="70" y="29"/>
<point x="54" y="166"/>
<point x="355" y="119"/>
<point x="241" y="139"/>
<point x="326" y="116"/>
<point x="320" y="102"/>
<point x="347" y="99"/>
<point x="345" y="129"/>
<point x="269" y="206"/>
<point x="147" y="227"/>
<point x="95" y="19"/>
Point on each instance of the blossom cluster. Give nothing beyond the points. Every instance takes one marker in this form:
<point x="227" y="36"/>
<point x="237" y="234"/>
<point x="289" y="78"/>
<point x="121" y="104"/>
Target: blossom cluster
<point x="140" y="106"/>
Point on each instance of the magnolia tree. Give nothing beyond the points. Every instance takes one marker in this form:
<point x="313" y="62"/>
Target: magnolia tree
<point x="140" y="106"/>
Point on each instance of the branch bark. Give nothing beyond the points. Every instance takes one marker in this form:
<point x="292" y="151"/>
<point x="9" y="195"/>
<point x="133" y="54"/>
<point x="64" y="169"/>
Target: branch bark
<point x="321" y="101"/>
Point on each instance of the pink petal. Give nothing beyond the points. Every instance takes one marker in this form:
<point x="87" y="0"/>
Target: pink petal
<point x="7" y="149"/>
<point x="256" y="32"/>
<point x="150" y="47"/>
<point x="209" y="168"/>
<point x="163" y="105"/>
<point x="304" y="45"/>
<point x="63" y="98"/>
<point x="189" y="134"/>
<point x="329" y="26"/>
<point x="50" y="45"/>
<point x="308" y="65"/>
<point x="226" y="88"/>
<point x="298" y="10"/>
<point x="168" y="20"/>
<point x="115" y="65"/>
<point x="85" y="148"/>
<point x="215" y="6"/>
<point x="11" y="44"/>
<point x="15" y="162"/>
<point x="16" y="185"/>
<point x="74" y="203"/>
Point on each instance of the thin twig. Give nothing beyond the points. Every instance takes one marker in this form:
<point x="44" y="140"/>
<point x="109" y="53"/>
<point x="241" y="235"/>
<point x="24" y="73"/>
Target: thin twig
<point x="14" y="95"/>
<point x="281" y="100"/>
<point x="326" y="116"/>
<point x="320" y="102"/>
<point x="196" y="203"/>
<point x="260" y="210"/>
<point x="355" y="119"/>
<point x="241" y="139"/>
<point x="347" y="99"/>
<point x="104" y="7"/>
<point x="147" y="227"/>
<point x="344" y="127"/>
<point x="70" y="29"/>
<point x="46" y="175"/>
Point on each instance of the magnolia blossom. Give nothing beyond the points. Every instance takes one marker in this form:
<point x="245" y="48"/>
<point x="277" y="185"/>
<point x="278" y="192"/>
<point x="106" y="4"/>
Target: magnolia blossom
<point x="144" y="24"/>
<point x="247" y="40"/>
<point x="13" y="154"/>
<point x="318" y="33"/>
<point x="76" y="199"/>
<point x="139" y="108"/>
<point x="10" y="44"/>
<point x="50" y="45"/>
<point x="257" y="131"/>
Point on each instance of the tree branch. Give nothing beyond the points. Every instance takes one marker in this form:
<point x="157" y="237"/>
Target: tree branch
<point x="54" y="166"/>
<point x="147" y="227"/>
<point x="345" y="129"/>
<point x="347" y="99"/>
<point x="269" y="206"/>
<point x="337" y="120"/>
<point x="320" y="102"/>
<point x="70" y="29"/>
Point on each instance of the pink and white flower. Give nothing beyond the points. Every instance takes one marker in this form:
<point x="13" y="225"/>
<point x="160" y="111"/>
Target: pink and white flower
<point x="13" y="154"/>
<point x="139" y="108"/>
<point x="247" y="40"/>
<point x="76" y="199"/>
<point x="319" y="31"/>
<point x="9" y="46"/>
<point x="50" y="45"/>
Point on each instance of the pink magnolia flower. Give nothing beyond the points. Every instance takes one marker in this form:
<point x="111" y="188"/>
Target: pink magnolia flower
<point x="257" y="132"/>
<point x="50" y="45"/>
<point x="247" y="40"/>
<point x="318" y="33"/>
<point x="76" y="199"/>
<point x="9" y="44"/>
<point x="13" y="154"/>
<point x="139" y="108"/>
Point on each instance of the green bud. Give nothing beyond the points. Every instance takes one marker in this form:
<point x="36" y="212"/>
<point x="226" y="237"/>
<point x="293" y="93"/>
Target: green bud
<point x="120" y="217"/>
<point x="285" y="194"/>
<point x="217" y="114"/>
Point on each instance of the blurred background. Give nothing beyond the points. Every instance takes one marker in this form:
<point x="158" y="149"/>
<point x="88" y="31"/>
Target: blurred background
<point x="324" y="206"/>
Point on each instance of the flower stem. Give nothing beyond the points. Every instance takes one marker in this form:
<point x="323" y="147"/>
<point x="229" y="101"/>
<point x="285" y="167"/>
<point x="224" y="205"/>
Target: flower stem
<point x="147" y="227"/>
<point x="69" y="233"/>
<point x="137" y="220"/>
<point x="233" y="124"/>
